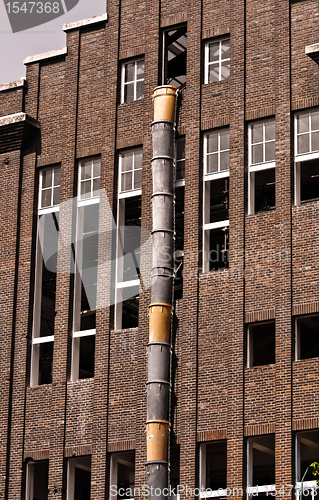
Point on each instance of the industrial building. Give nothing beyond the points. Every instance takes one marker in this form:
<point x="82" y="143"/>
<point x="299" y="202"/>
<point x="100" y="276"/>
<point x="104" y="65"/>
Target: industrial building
<point x="76" y="230"/>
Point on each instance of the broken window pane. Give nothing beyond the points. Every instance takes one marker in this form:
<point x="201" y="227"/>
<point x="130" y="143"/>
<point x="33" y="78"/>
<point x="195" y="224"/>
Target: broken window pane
<point x="265" y="195"/>
<point x="45" y="362"/>
<point x="218" y="248"/>
<point x="262" y="344"/>
<point x="308" y="337"/>
<point x="89" y="217"/>
<point x="219" y="200"/>
<point x="87" y="355"/>
<point x="130" y="298"/>
<point x="48" y="238"/>
<point x="175" y="50"/>
<point x="309" y="180"/>
<point x="79" y="478"/>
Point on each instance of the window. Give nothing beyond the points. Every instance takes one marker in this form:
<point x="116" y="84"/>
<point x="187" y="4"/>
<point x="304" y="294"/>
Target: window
<point x="307" y="449"/>
<point x="128" y="239"/>
<point x="306" y="156"/>
<point x="261" y="466"/>
<point x="37" y="480"/>
<point x="122" y="475"/>
<point x="174" y="56"/>
<point x="216" y="199"/>
<point x="179" y="217"/>
<point x="261" y="161"/>
<point x="87" y="238"/>
<point x="261" y="344"/>
<point x="79" y="478"/>
<point x="307" y="337"/>
<point x="45" y="278"/>
<point x="213" y="469"/>
<point x="132" y="80"/>
<point x="217" y="60"/>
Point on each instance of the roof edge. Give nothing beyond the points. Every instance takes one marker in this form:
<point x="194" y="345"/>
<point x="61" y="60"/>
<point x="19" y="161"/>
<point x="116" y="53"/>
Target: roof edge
<point x="45" y="55"/>
<point x="85" y="22"/>
<point x="13" y="85"/>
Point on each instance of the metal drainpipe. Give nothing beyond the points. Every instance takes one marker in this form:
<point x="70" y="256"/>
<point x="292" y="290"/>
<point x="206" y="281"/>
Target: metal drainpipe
<point x="157" y="424"/>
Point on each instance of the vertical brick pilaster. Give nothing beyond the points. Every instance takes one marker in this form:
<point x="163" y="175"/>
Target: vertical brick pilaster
<point x="63" y="318"/>
<point x="188" y="332"/>
<point x="283" y="252"/>
<point x="235" y="425"/>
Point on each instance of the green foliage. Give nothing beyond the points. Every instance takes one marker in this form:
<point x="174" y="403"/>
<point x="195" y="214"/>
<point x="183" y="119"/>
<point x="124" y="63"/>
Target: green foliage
<point x="315" y="471"/>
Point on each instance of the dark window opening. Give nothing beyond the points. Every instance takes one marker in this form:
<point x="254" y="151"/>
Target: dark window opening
<point x="219" y="196"/>
<point x="308" y="444"/>
<point x="124" y="474"/>
<point x="175" y="466"/>
<point x="82" y="487"/>
<point x="218" y="249"/>
<point x="38" y="473"/>
<point x="265" y="190"/>
<point x="262" y="344"/>
<point x="130" y="307"/>
<point x="132" y="238"/>
<point x="308" y="337"/>
<point x="174" y="60"/>
<point x="89" y="266"/>
<point x="45" y="362"/>
<point x="216" y="465"/>
<point x="309" y="180"/>
<point x="49" y="228"/>
<point x="179" y="242"/>
<point x="263" y="460"/>
<point x="180" y="158"/>
<point x="87" y="356"/>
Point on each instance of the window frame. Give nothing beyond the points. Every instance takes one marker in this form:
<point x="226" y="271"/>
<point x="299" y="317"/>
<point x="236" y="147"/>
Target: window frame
<point x="30" y="477"/>
<point x="220" y="59"/>
<point x="220" y="174"/>
<point x="37" y="340"/>
<point x="204" y="493"/>
<point x="120" y="284"/>
<point x="307" y="485"/>
<point x="303" y="157"/>
<point x="124" y="63"/>
<point x="263" y="488"/>
<point x="257" y="167"/>
<point x="77" y="334"/>
<point x="250" y="345"/>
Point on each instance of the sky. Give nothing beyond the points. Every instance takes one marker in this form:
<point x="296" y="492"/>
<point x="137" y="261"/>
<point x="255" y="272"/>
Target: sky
<point x="14" y="47"/>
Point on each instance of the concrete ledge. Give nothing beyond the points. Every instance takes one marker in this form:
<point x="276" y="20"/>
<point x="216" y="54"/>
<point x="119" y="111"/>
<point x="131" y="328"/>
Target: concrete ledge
<point x="313" y="52"/>
<point x="18" y="118"/>
<point x="85" y="22"/>
<point x="45" y="55"/>
<point x="13" y="85"/>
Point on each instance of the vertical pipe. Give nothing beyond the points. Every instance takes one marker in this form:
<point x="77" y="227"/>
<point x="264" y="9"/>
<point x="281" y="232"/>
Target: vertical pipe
<point x="157" y="424"/>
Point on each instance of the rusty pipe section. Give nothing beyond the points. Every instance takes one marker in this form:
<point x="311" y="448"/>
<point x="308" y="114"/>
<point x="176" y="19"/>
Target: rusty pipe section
<point x="158" y="348"/>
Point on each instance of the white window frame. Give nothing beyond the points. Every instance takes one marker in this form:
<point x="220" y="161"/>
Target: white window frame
<point x="119" y="283"/>
<point x="256" y="167"/>
<point x="36" y="339"/>
<point x="41" y="189"/>
<point x="78" y="462"/>
<point x="135" y="61"/>
<point x="208" y="226"/>
<point x="77" y="334"/>
<point x="263" y="488"/>
<point x="91" y="179"/>
<point x="299" y="158"/>
<point x="220" y="59"/>
<point x="204" y="492"/>
<point x="130" y="192"/>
